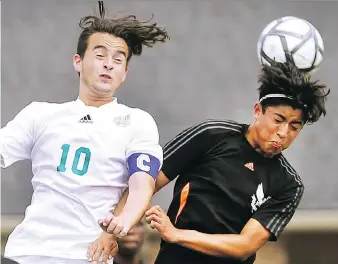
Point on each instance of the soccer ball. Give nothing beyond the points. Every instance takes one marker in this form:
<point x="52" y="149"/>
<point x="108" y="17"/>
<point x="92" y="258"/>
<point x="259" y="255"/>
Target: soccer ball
<point x="291" y="39"/>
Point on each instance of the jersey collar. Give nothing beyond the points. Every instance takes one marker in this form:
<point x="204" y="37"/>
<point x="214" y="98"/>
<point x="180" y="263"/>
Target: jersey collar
<point x="113" y="103"/>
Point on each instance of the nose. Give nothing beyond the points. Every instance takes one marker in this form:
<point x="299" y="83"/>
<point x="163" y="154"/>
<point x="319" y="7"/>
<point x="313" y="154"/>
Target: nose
<point x="282" y="131"/>
<point x="108" y="64"/>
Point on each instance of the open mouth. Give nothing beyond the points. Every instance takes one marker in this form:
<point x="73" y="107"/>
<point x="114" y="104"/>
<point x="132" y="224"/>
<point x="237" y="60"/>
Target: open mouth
<point x="105" y="76"/>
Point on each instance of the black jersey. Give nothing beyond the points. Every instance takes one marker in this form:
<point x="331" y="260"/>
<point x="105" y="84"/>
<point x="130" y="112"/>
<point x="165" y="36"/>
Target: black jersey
<point x="223" y="182"/>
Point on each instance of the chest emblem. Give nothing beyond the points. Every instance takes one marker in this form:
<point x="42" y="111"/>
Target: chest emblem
<point x="122" y="121"/>
<point x="258" y="198"/>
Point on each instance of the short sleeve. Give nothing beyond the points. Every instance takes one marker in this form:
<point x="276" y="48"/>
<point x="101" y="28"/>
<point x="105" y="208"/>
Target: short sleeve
<point x="277" y="212"/>
<point x="144" y="150"/>
<point x="192" y="144"/>
<point x="17" y="137"/>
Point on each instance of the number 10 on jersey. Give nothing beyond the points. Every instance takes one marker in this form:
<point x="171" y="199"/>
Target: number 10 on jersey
<point x="75" y="167"/>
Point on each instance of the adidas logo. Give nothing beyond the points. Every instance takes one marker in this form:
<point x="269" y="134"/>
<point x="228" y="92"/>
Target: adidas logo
<point x="86" y="119"/>
<point x="250" y="166"/>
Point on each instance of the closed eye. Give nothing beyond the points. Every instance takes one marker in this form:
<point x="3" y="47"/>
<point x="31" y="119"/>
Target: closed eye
<point x="293" y="128"/>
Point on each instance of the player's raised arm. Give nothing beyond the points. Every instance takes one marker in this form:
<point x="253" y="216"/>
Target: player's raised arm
<point x="17" y="137"/>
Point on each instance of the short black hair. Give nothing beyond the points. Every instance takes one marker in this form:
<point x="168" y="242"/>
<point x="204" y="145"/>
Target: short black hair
<point x="134" y="32"/>
<point x="287" y="79"/>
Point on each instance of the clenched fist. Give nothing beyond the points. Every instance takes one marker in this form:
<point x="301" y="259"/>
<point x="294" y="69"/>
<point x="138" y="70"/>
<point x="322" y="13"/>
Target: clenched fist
<point x="115" y="225"/>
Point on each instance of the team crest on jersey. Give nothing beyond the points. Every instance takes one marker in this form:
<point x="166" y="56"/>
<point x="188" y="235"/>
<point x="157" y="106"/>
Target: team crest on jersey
<point x="122" y="121"/>
<point x="258" y="199"/>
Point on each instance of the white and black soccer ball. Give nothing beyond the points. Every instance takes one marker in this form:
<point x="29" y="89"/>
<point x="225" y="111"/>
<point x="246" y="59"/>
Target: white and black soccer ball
<point x="294" y="40"/>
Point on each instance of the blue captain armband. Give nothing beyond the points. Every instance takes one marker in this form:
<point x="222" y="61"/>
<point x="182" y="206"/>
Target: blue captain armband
<point x="144" y="162"/>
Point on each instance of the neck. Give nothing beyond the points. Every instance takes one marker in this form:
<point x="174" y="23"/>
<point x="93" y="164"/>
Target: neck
<point x="127" y="260"/>
<point x="94" y="101"/>
<point x="91" y="98"/>
<point x="251" y="136"/>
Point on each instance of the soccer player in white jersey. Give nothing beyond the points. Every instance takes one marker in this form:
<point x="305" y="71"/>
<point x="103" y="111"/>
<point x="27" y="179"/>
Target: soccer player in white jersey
<point x="85" y="152"/>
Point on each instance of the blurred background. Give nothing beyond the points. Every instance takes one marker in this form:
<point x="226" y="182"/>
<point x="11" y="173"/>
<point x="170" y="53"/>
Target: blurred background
<point x="207" y="70"/>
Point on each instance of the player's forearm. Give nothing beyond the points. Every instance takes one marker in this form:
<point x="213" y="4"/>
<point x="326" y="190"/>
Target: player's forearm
<point x="229" y="245"/>
<point x="141" y="189"/>
<point x="136" y="204"/>
<point x="161" y="181"/>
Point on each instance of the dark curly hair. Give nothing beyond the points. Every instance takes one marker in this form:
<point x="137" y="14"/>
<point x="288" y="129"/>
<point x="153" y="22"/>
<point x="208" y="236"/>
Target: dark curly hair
<point x="302" y="92"/>
<point x="134" y="32"/>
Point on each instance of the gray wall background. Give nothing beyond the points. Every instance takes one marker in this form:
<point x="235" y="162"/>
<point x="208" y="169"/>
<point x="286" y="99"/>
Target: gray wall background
<point x="207" y="70"/>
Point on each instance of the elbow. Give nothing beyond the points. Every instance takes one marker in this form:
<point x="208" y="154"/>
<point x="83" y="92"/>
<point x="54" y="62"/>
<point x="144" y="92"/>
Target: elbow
<point x="244" y="256"/>
<point x="244" y="252"/>
<point x="240" y="254"/>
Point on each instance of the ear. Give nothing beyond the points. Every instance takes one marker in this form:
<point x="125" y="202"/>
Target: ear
<point x="258" y="110"/>
<point x="125" y="73"/>
<point x="77" y="62"/>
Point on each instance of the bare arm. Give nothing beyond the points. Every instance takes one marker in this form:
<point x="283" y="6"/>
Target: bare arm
<point x="136" y="199"/>
<point x="161" y="181"/>
<point x="242" y="246"/>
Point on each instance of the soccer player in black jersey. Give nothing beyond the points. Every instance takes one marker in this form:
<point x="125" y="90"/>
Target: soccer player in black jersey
<point x="235" y="190"/>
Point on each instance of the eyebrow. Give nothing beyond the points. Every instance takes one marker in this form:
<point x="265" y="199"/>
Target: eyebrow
<point x="99" y="47"/>
<point x="298" y="122"/>
<point x="105" y="48"/>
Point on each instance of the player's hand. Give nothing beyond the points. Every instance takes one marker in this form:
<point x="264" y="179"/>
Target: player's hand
<point x="158" y="219"/>
<point x="106" y="244"/>
<point x="114" y="225"/>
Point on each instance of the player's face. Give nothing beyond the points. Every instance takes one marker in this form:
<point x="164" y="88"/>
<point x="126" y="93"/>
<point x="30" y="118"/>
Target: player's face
<point x="104" y="65"/>
<point x="277" y="127"/>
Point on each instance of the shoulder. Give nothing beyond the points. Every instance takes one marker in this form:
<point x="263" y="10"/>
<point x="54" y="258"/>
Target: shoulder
<point x="291" y="177"/>
<point x="216" y="127"/>
<point x="50" y="109"/>
<point x="138" y="118"/>
<point x="52" y="105"/>
<point x="134" y="112"/>
<point x="38" y="109"/>
<point x="207" y="133"/>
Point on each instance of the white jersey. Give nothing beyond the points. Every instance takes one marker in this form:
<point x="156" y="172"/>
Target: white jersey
<point x="79" y="160"/>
